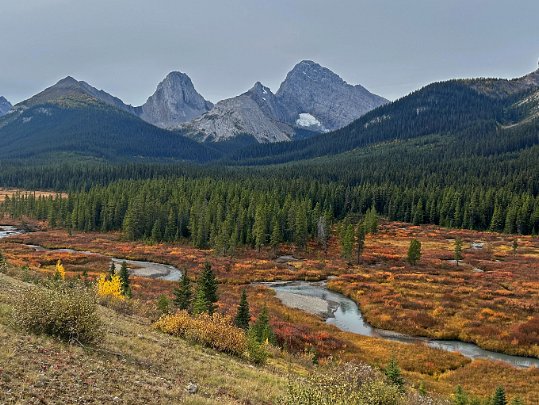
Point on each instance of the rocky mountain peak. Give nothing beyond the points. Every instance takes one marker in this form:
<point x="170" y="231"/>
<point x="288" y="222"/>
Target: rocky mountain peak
<point x="313" y="91"/>
<point x="5" y="106"/>
<point x="174" y="102"/>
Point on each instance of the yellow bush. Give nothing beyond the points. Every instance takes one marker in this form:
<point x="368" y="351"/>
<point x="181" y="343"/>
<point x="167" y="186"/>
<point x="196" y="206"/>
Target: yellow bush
<point x="109" y="288"/>
<point x="215" y="331"/>
<point x="60" y="270"/>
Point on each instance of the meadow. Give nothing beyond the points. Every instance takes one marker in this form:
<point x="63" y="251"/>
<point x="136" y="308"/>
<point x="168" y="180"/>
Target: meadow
<point x="490" y="298"/>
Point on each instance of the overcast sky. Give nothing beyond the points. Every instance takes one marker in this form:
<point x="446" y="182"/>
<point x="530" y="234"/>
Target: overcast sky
<point x="391" y="47"/>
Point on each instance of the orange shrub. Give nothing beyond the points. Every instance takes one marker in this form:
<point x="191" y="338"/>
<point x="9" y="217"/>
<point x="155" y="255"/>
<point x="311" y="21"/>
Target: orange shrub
<point x="215" y="331"/>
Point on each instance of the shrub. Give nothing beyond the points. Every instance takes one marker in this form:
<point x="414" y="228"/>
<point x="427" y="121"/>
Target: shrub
<point x="215" y="331"/>
<point x="348" y="384"/>
<point x="110" y="287"/>
<point x="66" y="312"/>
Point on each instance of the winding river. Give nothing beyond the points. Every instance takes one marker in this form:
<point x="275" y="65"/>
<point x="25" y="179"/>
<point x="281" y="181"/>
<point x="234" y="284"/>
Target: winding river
<point x="136" y="267"/>
<point x="315" y="298"/>
<point x="311" y="297"/>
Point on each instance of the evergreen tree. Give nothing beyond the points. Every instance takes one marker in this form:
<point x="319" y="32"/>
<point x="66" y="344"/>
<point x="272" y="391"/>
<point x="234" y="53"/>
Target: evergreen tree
<point x="371" y="220"/>
<point x="499" y="397"/>
<point x="458" y="250"/>
<point x="301" y="227"/>
<point x="347" y="239"/>
<point x="259" y="227"/>
<point x="460" y="397"/>
<point x="261" y="330"/>
<point x="414" y="252"/>
<point x="243" y="315"/>
<point x="517" y="401"/>
<point x="112" y="271"/>
<point x="124" y="280"/>
<point x="183" y="294"/>
<point x="201" y="303"/>
<point x="206" y="295"/>
<point x="360" y="240"/>
<point x="393" y="374"/>
<point x="515" y="246"/>
<point x="276" y="235"/>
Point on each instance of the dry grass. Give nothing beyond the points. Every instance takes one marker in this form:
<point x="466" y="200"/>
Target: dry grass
<point x="134" y="365"/>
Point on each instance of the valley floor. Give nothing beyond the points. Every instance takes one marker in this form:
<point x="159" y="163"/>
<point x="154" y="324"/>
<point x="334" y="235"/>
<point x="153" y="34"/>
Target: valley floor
<point x="490" y="298"/>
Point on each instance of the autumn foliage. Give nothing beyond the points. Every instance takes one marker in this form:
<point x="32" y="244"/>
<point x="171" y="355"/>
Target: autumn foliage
<point x="215" y="331"/>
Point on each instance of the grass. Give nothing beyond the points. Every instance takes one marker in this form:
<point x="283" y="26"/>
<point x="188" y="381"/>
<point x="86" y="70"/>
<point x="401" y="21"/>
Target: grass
<point x="134" y="364"/>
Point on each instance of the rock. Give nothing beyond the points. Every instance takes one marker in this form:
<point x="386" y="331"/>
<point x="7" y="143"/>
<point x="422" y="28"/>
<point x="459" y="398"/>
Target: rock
<point x="191" y="388"/>
<point x="255" y="112"/>
<point x="174" y="102"/>
<point x="5" y="106"/>
<point x="311" y="98"/>
<point x="315" y="97"/>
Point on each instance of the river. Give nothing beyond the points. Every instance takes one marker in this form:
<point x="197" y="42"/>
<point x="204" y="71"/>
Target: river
<point x="315" y="298"/>
<point x="136" y="267"/>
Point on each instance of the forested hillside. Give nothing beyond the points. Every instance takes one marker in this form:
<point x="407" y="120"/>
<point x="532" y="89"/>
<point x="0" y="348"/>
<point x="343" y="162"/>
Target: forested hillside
<point x="89" y="131"/>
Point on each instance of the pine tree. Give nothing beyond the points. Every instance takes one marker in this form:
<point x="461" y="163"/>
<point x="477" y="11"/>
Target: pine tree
<point x="124" y="280"/>
<point x="371" y="220"/>
<point x="515" y="246"/>
<point x="393" y="374"/>
<point x="414" y="252"/>
<point x="261" y="330"/>
<point x="276" y="234"/>
<point x="201" y="304"/>
<point x="499" y="397"/>
<point x="112" y="271"/>
<point x="259" y="227"/>
<point x="458" y="250"/>
<point x="360" y="240"/>
<point x="183" y="294"/>
<point x="206" y="295"/>
<point x="347" y="239"/>
<point x="460" y="397"/>
<point x="243" y="315"/>
<point x="301" y="227"/>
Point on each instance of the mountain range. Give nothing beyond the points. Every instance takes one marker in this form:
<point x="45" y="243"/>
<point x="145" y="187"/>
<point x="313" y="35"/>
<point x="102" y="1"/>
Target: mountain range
<point x="72" y="118"/>
<point x="311" y="99"/>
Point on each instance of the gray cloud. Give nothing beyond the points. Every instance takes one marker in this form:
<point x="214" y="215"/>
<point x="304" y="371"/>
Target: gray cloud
<point x="392" y="47"/>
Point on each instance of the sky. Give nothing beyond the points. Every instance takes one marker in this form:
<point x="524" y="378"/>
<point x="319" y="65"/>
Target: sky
<point x="392" y="47"/>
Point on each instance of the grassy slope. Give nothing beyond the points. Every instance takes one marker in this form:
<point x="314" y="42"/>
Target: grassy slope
<point x="134" y="364"/>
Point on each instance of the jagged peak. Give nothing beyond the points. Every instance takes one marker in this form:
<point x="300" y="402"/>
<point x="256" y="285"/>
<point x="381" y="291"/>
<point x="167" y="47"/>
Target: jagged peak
<point x="260" y="88"/>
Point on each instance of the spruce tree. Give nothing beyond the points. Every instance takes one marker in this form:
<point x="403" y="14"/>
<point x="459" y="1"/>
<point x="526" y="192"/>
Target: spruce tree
<point x="206" y="294"/>
<point x="112" y="271"/>
<point x="243" y="315"/>
<point x="458" y="250"/>
<point x="460" y="397"/>
<point x="393" y="374"/>
<point x="124" y="280"/>
<point x="261" y="330"/>
<point x="499" y="397"/>
<point x="360" y="240"/>
<point x="183" y="294"/>
<point x="276" y="235"/>
<point x="201" y="304"/>
<point x="414" y="252"/>
<point x="515" y="246"/>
